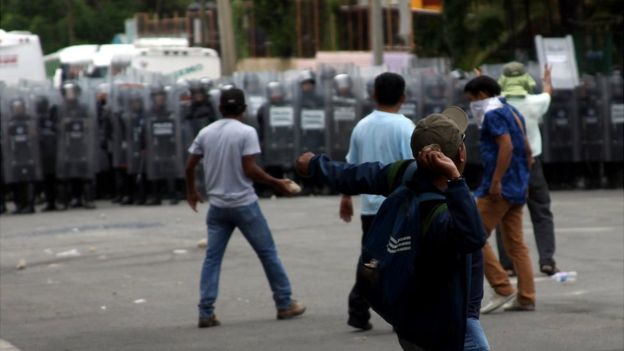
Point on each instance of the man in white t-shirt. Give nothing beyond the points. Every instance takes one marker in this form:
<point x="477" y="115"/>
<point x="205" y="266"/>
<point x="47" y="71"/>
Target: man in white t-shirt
<point x="517" y="87"/>
<point x="227" y="149"/>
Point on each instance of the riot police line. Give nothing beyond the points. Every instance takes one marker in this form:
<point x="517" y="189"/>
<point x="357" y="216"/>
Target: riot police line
<point x="127" y="139"/>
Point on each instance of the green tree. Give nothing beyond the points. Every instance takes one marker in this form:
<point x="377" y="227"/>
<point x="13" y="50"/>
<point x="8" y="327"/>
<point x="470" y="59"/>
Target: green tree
<point x="277" y="18"/>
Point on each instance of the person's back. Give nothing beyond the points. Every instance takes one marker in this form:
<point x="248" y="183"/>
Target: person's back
<point x="226" y="141"/>
<point x="382" y="136"/>
<point x="533" y="107"/>
<point x="376" y="138"/>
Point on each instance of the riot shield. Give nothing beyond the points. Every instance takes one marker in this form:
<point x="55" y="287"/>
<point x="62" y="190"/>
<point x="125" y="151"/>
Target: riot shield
<point x="561" y="134"/>
<point x="252" y="84"/>
<point x="20" y="138"/>
<point x="196" y="112"/>
<point x="116" y="133"/>
<point x="77" y="135"/>
<point x="163" y="136"/>
<point x="615" y="110"/>
<point x="45" y="103"/>
<point x="592" y="119"/>
<point x="277" y="119"/>
<point x="310" y="116"/>
<point x="345" y="113"/>
<point x="411" y="108"/>
<point x="133" y="120"/>
<point x="435" y="94"/>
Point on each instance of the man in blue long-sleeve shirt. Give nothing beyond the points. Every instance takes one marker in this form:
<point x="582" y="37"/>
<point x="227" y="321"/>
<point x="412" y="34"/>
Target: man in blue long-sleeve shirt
<point x="447" y="284"/>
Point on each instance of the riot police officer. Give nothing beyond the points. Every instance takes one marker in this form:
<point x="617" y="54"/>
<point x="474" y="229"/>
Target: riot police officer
<point x="21" y="155"/>
<point x="134" y="179"/>
<point x="163" y="147"/>
<point x="76" y="161"/>
<point x="345" y="114"/>
<point x="276" y="129"/>
<point x="201" y="112"/>
<point x="48" y="129"/>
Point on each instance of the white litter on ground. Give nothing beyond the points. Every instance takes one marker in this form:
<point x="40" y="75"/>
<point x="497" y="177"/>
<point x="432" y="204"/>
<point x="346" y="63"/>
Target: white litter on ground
<point x="68" y="253"/>
<point x="202" y="243"/>
<point x="21" y="264"/>
<point x="140" y="301"/>
<point x="180" y="251"/>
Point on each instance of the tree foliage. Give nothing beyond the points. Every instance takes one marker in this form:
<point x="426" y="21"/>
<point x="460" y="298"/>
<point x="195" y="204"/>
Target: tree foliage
<point x="60" y="23"/>
<point x="277" y="18"/>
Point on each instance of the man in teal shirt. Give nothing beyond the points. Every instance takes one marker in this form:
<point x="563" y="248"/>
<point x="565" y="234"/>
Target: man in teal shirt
<point x="382" y="136"/>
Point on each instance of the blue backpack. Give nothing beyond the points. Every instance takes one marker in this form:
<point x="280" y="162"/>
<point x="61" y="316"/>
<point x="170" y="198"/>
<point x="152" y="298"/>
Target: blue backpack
<point x="390" y="249"/>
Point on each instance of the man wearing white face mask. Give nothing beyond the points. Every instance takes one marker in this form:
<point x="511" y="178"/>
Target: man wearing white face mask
<point x="506" y="158"/>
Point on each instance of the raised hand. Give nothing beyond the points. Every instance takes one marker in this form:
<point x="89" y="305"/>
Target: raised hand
<point x="431" y="158"/>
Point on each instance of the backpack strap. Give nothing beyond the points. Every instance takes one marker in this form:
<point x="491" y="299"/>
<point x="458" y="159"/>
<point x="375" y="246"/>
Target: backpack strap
<point x="398" y="168"/>
<point x="409" y="173"/>
<point x="426" y="223"/>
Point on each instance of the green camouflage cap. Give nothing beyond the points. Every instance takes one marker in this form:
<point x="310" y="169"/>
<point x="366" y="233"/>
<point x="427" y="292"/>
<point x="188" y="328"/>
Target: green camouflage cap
<point x="445" y="129"/>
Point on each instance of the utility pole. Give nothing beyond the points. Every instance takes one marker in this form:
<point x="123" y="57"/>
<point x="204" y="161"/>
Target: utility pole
<point x="376" y="31"/>
<point x="226" y="36"/>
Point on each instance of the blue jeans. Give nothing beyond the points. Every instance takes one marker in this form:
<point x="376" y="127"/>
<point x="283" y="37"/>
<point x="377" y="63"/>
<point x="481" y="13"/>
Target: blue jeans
<point x="251" y="222"/>
<point x="475" y="339"/>
<point x="475" y="336"/>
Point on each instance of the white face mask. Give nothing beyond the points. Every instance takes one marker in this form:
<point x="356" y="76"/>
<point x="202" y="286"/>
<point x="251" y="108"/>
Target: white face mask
<point x="481" y="107"/>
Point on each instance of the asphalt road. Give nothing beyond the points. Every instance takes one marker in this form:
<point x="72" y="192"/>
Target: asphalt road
<point x="126" y="278"/>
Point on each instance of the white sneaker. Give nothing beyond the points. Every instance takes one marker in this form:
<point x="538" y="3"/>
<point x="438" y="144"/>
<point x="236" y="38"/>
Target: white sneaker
<point x="496" y="302"/>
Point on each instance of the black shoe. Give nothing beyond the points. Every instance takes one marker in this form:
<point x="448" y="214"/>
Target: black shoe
<point x="49" y="208"/>
<point x="549" y="269"/>
<point x="89" y="205"/>
<point x="27" y="210"/>
<point x="173" y="201"/>
<point x="75" y="203"/>
<point x="212" y="321"/>
<point x="126" y="200"/>
<point x="153" y="202"/>
<point x="359" y="324"/>
<point x="117" y="199"/>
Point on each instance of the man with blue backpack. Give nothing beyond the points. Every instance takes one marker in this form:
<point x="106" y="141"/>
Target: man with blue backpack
<point x="421" y="266"/>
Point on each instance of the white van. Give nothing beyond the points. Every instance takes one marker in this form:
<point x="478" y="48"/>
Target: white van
<point x="20" y="57"/>
<point x="178" y="62"/>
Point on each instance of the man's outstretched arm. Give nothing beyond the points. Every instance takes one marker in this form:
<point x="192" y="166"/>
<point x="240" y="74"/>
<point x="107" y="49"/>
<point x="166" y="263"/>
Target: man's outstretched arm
<point x="347" y="179"/>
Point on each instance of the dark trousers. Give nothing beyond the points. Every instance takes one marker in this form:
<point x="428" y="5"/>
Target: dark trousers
<point x="358" y="306"/>
<point x="24" y="195"/>
<point x="50" y="185"/>
<point x="541" y="217"/>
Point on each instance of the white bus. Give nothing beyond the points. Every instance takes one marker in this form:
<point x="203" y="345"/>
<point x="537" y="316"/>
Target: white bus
<point x="20" y="57"/>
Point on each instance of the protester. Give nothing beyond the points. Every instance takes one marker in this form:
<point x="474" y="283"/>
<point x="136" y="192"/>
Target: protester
<point x="439" y="308"/>
<point x="506" y="159"/>
<point x="227" y="149"/>
<point x="382" y="136"/>
<point x="517" y="87"/>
